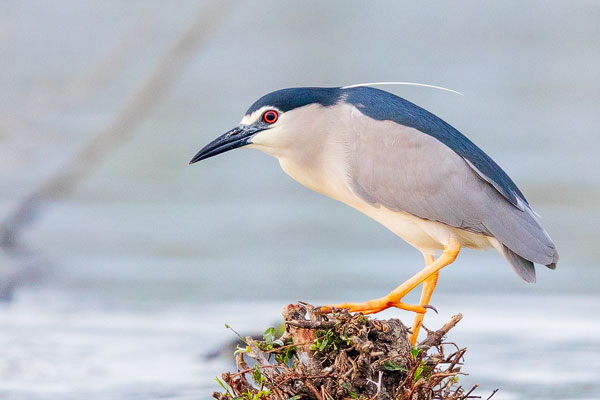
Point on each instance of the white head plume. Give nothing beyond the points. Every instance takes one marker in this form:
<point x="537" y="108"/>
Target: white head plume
<point x="401" y="83"/>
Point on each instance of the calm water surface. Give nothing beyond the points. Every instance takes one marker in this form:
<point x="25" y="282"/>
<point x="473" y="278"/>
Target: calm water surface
<point x="125" y="284"/>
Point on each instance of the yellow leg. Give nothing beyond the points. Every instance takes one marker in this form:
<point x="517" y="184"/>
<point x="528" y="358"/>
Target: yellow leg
<point x="428" y="287"/>
<point x="393" y="299"/>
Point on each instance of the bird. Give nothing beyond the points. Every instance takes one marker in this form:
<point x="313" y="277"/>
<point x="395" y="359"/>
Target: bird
<point x="402" y="166"/>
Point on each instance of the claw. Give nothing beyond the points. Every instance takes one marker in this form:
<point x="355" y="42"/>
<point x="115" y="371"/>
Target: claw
<point x="430" y="308"/>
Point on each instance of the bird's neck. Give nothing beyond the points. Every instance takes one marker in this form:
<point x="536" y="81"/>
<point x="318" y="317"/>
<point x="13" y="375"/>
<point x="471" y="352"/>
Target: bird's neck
<point x="323" y="171"/>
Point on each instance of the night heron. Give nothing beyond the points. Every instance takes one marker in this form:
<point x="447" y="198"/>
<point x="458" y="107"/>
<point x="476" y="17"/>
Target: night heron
<point x="403" y="167"/>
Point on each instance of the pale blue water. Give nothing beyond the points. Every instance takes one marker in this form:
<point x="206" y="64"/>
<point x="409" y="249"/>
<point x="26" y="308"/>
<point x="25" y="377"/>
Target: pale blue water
<point x="127" y="282"/>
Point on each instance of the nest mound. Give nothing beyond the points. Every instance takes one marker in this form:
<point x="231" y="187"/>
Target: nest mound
<point x="338" y="355"/>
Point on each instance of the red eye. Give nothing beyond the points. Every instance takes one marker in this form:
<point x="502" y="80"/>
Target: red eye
<point x="270" y="116"/>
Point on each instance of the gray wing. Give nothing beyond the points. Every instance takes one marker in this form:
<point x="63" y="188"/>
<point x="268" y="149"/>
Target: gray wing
<point x="406" y="170"/>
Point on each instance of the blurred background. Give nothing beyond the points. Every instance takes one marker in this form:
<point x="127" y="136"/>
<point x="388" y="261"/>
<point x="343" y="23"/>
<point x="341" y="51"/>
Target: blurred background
<point x="120" y="264"/>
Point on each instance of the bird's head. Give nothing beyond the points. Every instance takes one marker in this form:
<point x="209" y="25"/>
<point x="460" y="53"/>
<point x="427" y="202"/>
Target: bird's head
<point x="276" y="123"/>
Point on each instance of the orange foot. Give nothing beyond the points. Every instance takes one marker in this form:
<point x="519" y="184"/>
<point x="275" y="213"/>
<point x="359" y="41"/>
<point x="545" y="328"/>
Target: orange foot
<point x="377" y="305"/>
<point x="429" y="275"/>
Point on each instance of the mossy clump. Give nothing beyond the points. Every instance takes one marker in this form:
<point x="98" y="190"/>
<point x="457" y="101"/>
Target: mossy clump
<point x="338" y="355"/>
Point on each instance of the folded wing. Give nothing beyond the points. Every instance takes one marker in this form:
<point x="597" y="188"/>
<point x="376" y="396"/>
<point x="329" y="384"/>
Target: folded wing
<point x="405" y="169"/>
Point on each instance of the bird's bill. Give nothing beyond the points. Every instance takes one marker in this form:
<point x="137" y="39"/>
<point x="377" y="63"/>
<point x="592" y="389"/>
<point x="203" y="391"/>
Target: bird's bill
<point x="237" y="137"/>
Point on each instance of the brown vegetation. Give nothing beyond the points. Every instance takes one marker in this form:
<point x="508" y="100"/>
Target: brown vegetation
<point x="343" y="356"/>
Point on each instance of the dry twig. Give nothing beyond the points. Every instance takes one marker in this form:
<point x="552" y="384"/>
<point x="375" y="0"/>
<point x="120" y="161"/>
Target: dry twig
<point x="342" y="356"/>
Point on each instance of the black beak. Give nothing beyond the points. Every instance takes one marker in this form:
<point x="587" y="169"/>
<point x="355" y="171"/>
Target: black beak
<point x="237" y="137"/>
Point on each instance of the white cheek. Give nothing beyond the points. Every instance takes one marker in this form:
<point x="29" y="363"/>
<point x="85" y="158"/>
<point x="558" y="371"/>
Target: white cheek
<point x="275" y="141"/>
<point x="266" y="141"/>
<point x="262" y="138"/>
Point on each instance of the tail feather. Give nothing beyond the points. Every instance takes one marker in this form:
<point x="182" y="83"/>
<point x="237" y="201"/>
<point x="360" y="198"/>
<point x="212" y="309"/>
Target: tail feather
<point x="522" y="240"/>
<point x="524" y="268"/>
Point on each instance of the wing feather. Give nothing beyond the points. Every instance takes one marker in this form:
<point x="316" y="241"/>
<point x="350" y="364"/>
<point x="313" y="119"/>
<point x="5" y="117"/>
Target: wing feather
<point x="384" y="106"/>
<point x="404" y="169"/>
